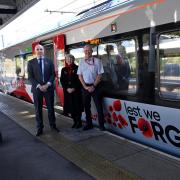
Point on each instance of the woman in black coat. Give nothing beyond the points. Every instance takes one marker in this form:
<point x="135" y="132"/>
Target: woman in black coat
<point x="72" y="90"/>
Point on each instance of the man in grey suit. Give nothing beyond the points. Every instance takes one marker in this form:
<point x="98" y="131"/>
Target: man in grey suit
<point x="41" y="75"/>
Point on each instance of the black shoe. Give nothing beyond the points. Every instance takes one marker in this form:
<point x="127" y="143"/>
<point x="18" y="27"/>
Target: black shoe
<point x="39" y="132"/>
<point x="102" y="128"/>
<point x="55" y="129"/>
<point x="87" y="127"/>
<point x="79" y="125"/>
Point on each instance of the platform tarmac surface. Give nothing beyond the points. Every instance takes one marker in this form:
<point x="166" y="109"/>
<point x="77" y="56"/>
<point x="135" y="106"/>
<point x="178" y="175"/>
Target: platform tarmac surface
<point x="24" y="157"/>
<point x="85" y="154"/>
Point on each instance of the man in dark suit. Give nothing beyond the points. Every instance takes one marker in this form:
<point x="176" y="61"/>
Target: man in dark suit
<point x="41" y="75"/>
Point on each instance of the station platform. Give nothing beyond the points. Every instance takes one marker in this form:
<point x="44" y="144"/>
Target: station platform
<point x="72" y="153"/>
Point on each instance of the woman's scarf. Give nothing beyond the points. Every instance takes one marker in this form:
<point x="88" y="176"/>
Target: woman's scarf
<point x="69" y="69"/>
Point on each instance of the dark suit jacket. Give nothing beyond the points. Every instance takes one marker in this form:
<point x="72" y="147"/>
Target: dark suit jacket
<point x="34" y="73"/>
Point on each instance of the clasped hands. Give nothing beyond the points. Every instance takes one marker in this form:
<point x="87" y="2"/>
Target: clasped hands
<point x="70" y="90"/>
<point x="44" y="87"/>
<point x="90" y="88"/>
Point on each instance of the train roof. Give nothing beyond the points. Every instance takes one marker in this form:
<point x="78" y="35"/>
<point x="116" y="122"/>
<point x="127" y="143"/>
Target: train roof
<point x="129" y="15"/>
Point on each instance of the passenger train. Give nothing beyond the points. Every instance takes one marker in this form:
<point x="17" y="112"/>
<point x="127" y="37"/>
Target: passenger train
<point x="141" y="89"/>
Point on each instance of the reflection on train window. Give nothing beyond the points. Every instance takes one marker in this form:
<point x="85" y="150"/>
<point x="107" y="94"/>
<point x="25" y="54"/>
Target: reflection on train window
<point x="20" y="66"/>
<point x="7" y="68"/>
<point x="119" y="62"/>
<point x="169" y="53"/>
<point x="78" y="53"/>
<point x="60" y="60"/>
<point x="29" y="56"/>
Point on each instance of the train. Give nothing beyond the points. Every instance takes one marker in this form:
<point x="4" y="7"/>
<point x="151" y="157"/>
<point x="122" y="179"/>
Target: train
<point x="141" y="101"/>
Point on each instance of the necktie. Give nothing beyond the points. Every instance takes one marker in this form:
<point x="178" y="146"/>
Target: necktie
<point x="40" y="64"/>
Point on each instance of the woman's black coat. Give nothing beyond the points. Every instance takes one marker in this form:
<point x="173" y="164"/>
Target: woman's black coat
<point x="72" y="101"/>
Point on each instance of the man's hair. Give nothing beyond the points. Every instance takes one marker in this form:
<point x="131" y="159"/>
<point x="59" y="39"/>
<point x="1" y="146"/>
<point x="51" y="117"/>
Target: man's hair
<point x="88" y="45"/>
<point x="38" y="45"/>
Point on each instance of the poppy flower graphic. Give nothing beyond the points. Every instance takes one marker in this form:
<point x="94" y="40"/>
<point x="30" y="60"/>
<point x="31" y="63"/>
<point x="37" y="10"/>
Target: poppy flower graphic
<point x="122" y="120"/>
<point x="114" y="116"/>
<point x="145" y="127"/>
<point x="110" y="108"/>
<point x="109" y="121"/>
<point x="120" y="126"/>
<point x="117" y="105"/>
<point x="107" y="117"/>
<point x="114" y="124"/>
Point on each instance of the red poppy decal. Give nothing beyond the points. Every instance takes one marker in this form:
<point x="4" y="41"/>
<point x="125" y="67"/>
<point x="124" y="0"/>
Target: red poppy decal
<point x="145" y="127"/>
<point x="109" y="121"/>
<point x="109" y="115"/>
<point x="114" y="124"/>
<point x="117" y="105"/>
<point x="122" y="120"/>
<point x="110" y="108"/>
<point x="115" y="118"/>
<point x="120" y="126"/>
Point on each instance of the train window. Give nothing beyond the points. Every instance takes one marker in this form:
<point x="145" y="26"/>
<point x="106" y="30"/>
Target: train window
<point x="7" y="68"/>
<point x="20" y="69"/>
<point x="60" y="60"/>
<point x="169" y="58"/>
<point x="78" y="53"/>
<point x="119" y="62"/>
<point x="28" y="57"/>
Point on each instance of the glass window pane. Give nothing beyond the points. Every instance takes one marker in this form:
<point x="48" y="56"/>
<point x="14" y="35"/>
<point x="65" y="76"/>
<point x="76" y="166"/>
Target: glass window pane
<point x="20" y="66"/>
<point x="169" y="53"/>
<point x="78" y="53"/>
<point x="119" y="61"/>
<point x="28" y="57"/>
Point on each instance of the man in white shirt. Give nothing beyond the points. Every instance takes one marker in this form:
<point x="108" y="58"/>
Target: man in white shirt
<point x="90" y="72"/>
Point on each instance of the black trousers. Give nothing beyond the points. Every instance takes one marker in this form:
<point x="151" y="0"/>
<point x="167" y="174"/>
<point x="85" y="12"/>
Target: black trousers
<point x="87" y="106"/>
<point x="38" y="103"/>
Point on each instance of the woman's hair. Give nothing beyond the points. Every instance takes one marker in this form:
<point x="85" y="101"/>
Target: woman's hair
<point x="70" y="56"/>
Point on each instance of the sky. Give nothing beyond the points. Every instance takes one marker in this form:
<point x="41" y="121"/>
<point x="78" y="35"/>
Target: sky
<point x="37" y="20"/>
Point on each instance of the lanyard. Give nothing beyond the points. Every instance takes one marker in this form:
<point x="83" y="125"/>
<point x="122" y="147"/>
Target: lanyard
<point x="89" y="62"/>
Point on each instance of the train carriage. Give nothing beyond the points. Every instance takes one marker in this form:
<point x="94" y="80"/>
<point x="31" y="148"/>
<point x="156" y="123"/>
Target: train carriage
<point x="138" y="42"/>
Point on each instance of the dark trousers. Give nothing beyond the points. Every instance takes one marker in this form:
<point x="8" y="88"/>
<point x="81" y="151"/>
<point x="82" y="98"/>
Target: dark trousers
<point x="38" y="103"/>
<point x="87" y="106"/>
